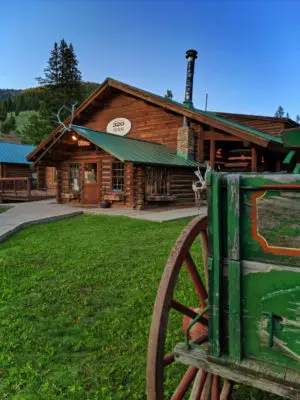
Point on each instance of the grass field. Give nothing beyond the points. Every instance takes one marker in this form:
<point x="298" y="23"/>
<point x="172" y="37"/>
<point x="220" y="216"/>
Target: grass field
<point x="76" y="303"/>
<point x="3" y="209"/>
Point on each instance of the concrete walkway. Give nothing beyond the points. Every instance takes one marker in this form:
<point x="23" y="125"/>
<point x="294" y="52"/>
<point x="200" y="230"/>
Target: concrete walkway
<point x="31" y="213"/>
<point x="36" y="212"/>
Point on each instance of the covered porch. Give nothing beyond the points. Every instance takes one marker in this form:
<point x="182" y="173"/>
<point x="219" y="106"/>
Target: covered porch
<point x="97" y="168"/>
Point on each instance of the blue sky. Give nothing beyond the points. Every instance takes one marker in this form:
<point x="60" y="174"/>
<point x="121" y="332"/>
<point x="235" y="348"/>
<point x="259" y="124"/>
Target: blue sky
<point x="248" y="59"/>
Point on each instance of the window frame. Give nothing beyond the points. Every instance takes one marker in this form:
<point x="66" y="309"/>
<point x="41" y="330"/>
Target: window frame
<point x="119" y="187"/>
<point x="70" y="185"/>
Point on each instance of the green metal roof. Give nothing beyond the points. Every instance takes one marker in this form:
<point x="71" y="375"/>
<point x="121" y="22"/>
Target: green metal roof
<point x="212" y="115"/>
<point x="135" y="150"/>
<point x="15" y="153"/>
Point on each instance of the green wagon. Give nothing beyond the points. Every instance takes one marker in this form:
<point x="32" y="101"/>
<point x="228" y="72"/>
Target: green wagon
<point x="244" y="325"/>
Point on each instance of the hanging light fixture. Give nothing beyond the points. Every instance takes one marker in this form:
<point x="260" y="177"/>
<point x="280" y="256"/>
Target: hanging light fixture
<point x="74" y="137"/>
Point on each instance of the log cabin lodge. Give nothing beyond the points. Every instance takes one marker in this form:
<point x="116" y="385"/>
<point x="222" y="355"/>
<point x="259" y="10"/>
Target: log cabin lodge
<point x="130" y="148"/>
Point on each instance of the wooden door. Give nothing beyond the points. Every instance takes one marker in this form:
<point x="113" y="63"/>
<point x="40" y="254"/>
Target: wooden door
<point x="91" y="182"/>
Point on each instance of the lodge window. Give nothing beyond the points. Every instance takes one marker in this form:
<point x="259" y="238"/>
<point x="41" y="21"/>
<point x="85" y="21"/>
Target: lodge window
<point x="118" y="176"/>
<point x="74" y="170"/>
<point x="158" y="181"/>
<point x="90" y="173"/>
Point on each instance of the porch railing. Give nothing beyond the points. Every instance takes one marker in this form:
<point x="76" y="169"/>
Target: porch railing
<point x="22" y="188"/>
<point x="15" y="185"/>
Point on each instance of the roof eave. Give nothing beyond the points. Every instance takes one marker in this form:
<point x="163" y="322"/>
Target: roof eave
<point x="154" y="99"/>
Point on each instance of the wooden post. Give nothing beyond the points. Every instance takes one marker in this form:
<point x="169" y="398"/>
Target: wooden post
<point x="28" y="183"/>
<point x="254" y="160"/>
<point x="201" y="146"/>
<point x="99" y="179"/>
<point x="59" y="187"/>
<point x="212" y="153"/>
<point x="129" y="183"/>
<point x="139" y="176"/>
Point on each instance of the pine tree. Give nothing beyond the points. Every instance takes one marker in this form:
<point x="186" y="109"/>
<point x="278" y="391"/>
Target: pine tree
<point x="53" y="70"/>
<point x="280" y="112"/>
<point x="287" y="115"/>
<point x="169" y="94"/>
<point x="298" y="118"/>
<point x="3" y="111"/>
<point x="62" y="83"/>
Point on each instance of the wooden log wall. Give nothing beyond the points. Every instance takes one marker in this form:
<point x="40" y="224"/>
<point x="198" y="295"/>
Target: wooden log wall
<point x="148" y="122"/>
<point x="106" y="176"/>
<point x="181" y="185"/>
<point x="267" y="125"/>
<point x="16" y="171"/>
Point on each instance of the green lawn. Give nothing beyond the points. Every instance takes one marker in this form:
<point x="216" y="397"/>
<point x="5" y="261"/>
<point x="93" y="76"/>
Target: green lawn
<point x="76" y="304"/>
<point x="3" y="209"/>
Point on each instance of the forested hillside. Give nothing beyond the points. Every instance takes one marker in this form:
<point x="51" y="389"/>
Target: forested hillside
<point x="6" y="93"/>
<point x="29" y="99"/>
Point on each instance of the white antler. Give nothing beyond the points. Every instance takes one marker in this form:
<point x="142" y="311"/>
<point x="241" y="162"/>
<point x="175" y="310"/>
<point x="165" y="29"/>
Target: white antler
<point x="201" y="184"/>
<point x="66" y="128"/>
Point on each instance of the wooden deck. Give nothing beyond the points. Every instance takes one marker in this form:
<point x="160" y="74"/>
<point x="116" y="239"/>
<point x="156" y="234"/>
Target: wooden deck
<point x="21" y="189"/>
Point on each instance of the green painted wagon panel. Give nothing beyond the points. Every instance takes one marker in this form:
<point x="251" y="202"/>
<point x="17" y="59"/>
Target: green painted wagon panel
<point x="271" y="226"/>
<point x="261" y="269"/>
<point x="265" y="293"/>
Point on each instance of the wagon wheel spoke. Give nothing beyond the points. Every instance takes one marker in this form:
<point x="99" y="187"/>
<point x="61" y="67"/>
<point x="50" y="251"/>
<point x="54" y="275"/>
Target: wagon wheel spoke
<point x="188" y="312"/>
<point x="226" y="389"/>
<point x="185" y="383"/>
<point x="206" y="392"/>
<point x="215" y="395"/>
<point x="197" y="281"/>
<point x="169" y="359"/>
<point x="198" y="385"/>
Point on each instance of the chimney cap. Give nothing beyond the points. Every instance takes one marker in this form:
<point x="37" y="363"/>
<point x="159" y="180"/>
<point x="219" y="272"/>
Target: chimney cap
<point x="191" y="53"/>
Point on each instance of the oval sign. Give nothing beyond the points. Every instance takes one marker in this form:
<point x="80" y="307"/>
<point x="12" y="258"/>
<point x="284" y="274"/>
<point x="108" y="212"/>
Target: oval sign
<point x="119" y="126"/>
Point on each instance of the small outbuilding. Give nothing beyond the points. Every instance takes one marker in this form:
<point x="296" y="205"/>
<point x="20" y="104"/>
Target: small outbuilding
<point x="18" y="179"/>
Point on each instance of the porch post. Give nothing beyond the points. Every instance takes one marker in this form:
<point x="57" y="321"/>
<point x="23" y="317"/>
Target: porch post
<point x="41" y="177"/>
<point x="139" y="187"/>
<point x="129" y="183"/>
<point x="254" y="160"/>
<point x="59" y="183"/>
<point x="212" y="153"/>
<point x="201" y="145"/>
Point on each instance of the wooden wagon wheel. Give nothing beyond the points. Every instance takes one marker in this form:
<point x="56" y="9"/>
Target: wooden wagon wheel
<point x="205" y="385"/>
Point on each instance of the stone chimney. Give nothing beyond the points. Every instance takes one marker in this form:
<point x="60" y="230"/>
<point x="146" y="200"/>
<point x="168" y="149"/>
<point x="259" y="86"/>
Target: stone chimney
<point x="185" y="142"/>
<point x="185" y="138"/>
